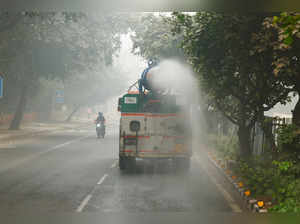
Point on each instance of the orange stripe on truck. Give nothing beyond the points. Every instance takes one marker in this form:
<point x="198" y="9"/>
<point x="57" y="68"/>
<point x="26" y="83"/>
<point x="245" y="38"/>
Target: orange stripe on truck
<point x="161" y="115"/>
<point x="149" y="115"/>
<point x="132" y="136"/>
<point x="147" y="136"/>
<point x="132" y="114"/>
<point x="133" y="92"/>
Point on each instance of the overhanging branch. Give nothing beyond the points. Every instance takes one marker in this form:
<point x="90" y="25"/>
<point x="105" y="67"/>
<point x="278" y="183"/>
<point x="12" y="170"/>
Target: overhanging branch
<point x="227" y="116"/>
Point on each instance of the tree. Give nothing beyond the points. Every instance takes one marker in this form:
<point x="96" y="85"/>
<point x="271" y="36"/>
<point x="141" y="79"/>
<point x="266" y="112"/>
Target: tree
<point x="57" y="45"/>
<point x="152" y="38"/>
<point x="282" y="35"/>
<point x="220" y="49"/>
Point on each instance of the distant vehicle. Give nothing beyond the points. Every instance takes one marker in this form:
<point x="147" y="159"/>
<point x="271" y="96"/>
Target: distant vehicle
<point x="153" y="126"/>
<point x="100" y="125"/>
<point x="100" y="129"/>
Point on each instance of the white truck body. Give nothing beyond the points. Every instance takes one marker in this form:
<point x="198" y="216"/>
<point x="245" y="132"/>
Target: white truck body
<point x="160" y="136"/>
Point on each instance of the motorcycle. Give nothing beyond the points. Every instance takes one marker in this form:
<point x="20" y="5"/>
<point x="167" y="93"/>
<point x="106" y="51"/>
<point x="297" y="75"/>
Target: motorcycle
<point x="100" y="130"/>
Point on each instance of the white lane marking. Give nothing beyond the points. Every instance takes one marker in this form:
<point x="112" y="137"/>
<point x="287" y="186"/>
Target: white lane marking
<point x="64" y="144"/>
<point x="233" y="205"/>
<point x="102" y="179"/>
<point x="84" y="203"/>
<point x="61" y="145"/>
<point x="86" y="200"/>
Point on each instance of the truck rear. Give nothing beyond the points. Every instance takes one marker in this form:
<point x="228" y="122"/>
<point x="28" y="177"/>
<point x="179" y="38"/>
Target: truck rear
<point x="153" y="127"/>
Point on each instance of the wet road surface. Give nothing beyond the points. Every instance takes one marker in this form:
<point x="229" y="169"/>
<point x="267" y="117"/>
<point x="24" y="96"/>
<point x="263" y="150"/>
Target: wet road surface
<point x="72" y="171"/>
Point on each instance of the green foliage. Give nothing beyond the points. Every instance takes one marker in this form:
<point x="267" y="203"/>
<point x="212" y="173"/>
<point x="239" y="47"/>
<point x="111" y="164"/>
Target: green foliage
<point x="240" y="83"/>
<point x="264" y="176"/>
<point x="287" y="134"/>
<point x="219" y="47"/>
<point x="289" y="24"/>
<point x="281" y="34"/>
<point x="283" y="165"/>
<point x="278" y="180"/>
<point x="290" y="205"/>
<point x="289" y="140"/>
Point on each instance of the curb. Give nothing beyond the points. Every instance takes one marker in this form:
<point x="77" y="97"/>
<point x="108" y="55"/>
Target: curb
<point x="35" y="133"/>
<point x="24" y="135"/>
<point x="251" y="203"/>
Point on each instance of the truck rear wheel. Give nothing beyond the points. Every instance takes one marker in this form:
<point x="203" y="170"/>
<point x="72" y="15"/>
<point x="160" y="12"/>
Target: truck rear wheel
<point x="131" y="163"/>
<point x="122" y="163"/>
<point x="127" y="163"/>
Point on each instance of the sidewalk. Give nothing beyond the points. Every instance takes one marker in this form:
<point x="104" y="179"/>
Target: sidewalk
<point x="34" y="128"/>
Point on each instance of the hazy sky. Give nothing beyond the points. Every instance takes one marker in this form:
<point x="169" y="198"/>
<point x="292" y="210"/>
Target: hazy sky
<point x="132" y="65"/>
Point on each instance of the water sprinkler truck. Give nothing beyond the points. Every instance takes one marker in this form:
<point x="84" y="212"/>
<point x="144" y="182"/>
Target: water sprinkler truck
<point x="153" y="125"/>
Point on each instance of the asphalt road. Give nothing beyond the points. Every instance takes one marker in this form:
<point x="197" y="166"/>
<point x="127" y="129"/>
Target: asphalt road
<point x="72" y="171"/>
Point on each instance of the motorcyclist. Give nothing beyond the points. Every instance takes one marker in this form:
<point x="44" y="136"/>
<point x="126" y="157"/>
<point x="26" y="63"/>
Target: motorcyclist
<point x="100" y="129"/>
<point x="100" y="118"/>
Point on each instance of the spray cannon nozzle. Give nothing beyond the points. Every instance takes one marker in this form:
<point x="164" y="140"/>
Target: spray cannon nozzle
<point x="152" y="62"/>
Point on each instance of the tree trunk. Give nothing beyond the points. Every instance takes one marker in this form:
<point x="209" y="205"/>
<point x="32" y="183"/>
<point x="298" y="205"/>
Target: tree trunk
<point x="244" y="141"/>
<point x="296" y="112"/>
<point x="269" y="137"/>
<point x="15" y="123"/>
<point x="72" y="113"/>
